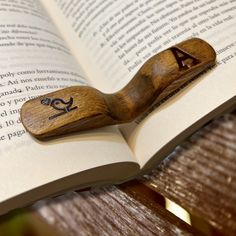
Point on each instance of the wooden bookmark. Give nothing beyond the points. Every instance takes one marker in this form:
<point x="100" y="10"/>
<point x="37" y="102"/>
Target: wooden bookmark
<point x="81" y="107"/>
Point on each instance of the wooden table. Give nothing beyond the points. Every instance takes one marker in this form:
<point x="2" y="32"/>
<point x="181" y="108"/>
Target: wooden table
<point x="199" y="176"/>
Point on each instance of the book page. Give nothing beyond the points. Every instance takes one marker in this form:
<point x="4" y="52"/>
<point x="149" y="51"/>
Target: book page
<point x="119" y="36"/>
<point x="35" y="60"/>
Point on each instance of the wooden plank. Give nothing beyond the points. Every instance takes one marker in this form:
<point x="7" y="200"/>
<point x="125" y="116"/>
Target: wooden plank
<point x="200" y="175"/>
<point x="110" y="211"/>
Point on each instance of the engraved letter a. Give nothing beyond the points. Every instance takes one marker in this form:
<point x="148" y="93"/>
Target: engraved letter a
<point x="184" y="60"/>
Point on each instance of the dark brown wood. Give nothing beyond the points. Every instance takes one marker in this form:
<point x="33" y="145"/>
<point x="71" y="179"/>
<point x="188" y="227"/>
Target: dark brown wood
<point x="81" y="107"/>
<point x="199" y="175"/>
<point x="110" y="211"/>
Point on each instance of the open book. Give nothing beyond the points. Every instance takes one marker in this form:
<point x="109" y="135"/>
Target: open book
<point x="48" y="45"/>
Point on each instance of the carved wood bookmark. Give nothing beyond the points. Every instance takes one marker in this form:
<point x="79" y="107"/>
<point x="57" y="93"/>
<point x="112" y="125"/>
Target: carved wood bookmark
<point x="81" y="108"/>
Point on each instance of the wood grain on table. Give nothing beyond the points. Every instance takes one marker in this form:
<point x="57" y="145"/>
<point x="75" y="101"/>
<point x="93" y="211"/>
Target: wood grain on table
<point x="199" y="176"/>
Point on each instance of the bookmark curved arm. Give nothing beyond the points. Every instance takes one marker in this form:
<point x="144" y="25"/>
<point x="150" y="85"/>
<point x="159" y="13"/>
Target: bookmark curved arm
<point x="81" y="107"/>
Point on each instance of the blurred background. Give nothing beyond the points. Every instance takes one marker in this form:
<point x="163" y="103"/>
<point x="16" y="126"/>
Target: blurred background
<point x="25" y="223"/>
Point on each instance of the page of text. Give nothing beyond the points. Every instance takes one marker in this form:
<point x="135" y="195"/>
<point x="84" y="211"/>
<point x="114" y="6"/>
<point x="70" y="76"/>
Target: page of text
<point x="35" y="60"/>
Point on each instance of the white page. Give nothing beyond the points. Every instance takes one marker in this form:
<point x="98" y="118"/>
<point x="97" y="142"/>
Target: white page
<point x="35" y="60"/>
<point x="118" y="36"/>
